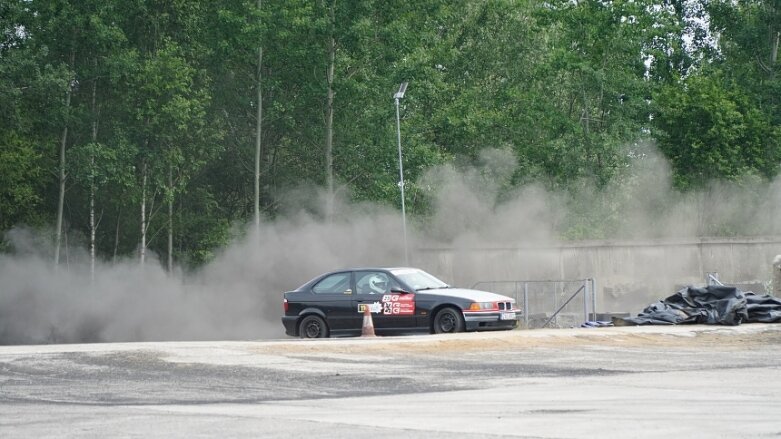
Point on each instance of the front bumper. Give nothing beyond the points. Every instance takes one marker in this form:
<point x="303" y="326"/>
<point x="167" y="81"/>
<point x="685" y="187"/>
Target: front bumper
<point x="479" y="320"/>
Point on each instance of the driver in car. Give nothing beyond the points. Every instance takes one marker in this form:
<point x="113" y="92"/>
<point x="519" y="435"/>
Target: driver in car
<point x="378" y="284"/>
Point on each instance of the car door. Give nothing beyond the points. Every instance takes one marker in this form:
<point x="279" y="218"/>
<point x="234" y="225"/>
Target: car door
<point x="390" y="310"/>
<point x="333" y="295"/>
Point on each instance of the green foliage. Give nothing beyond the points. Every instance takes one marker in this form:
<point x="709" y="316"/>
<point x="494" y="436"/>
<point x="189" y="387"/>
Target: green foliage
<point x="19" y="187"/>
<point x="170" y="89"/>
<point x="709" y="130"/>
<point x="203" y="230"/>
<point x="101" y="164"/>
<point x="722" y="121"/>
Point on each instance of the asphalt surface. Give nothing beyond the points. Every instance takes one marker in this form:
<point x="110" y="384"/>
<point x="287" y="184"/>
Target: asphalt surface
<point x="688" y="381"/>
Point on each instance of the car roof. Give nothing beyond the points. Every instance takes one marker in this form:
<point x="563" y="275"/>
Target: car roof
<point x="342" y="270"/>
<point x="372" y="268"/>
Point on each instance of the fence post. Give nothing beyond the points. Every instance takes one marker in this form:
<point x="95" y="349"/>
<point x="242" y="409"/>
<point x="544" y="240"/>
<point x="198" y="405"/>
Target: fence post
<point x="586" y="285"/>
<point x="526" y="304"/>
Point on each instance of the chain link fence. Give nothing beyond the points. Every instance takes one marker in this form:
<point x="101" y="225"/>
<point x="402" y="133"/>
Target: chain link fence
<point x="549" y="303"/>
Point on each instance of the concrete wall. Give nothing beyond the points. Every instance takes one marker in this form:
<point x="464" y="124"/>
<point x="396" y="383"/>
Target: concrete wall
<point x="629" y="275"/>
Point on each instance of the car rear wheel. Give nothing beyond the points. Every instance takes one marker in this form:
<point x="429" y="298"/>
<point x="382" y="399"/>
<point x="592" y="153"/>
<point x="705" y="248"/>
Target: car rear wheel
<point x="448" y="320"/>
<point x="312" y="327"/>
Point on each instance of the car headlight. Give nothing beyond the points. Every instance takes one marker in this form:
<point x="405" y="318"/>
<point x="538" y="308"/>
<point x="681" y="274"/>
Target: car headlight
<point x="483" y="306"/>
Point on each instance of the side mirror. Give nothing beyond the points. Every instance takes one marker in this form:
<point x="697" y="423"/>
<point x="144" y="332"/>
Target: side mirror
<point x="399" y="290"/>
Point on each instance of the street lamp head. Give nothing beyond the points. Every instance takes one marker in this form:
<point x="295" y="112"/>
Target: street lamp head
<point x="402" y="88"/>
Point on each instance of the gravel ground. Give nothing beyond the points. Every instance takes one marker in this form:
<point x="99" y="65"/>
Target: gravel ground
<point x="611" y="382"/>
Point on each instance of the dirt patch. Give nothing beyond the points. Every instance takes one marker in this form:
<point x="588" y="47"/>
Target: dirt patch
<point x="738" y="337"/>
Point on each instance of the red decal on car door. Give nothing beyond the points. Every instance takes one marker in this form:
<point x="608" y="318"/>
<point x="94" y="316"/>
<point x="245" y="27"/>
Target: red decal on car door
<point x="398" y="304"/>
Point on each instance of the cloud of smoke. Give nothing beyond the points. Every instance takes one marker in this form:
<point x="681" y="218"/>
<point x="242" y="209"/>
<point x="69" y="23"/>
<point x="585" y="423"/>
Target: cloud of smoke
<point x="472" y="209"/>
<point x="238" y="296"/>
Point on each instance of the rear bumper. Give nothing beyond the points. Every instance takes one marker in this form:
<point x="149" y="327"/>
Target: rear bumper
<point x="290" y="325"/>
<point x="491" y="320"/>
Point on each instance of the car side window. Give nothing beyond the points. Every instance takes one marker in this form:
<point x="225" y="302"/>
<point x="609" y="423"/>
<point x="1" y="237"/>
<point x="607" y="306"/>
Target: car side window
<point x="334" y="284"/>
<point x="373" y="282"/>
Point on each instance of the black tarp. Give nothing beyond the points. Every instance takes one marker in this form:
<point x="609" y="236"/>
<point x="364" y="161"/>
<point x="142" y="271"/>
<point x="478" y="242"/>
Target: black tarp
<point x="712" y="305"/>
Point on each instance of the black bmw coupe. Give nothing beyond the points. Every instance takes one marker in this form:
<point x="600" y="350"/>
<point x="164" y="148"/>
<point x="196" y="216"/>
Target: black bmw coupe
<point x="401" y="300"/>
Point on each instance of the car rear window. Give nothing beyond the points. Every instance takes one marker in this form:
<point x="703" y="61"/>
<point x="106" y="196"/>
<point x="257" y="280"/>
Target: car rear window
<point x="335" y="283"/>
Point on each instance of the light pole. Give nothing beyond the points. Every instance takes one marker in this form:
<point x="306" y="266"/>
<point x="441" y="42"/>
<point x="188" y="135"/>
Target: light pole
<point x="400" y="94"/>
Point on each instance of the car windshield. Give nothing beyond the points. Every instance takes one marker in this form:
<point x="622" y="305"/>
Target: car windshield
<point x="419" y="279"/>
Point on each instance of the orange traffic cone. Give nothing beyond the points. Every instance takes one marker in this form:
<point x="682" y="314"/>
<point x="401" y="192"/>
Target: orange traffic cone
<point x="368" y="324"/>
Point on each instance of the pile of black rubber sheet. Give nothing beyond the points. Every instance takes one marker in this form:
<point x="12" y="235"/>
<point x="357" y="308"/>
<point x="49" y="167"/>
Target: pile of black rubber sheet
<point x="711" y="305"/>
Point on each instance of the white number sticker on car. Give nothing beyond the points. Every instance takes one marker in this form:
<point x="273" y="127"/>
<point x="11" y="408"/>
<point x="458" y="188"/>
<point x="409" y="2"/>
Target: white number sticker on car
<point x="375" y="307"/>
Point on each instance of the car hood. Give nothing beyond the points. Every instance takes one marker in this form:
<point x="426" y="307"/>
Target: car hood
<point x="473" y="295"/>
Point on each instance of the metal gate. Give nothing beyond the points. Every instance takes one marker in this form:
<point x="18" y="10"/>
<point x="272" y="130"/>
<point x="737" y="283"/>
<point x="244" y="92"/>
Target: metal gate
<point x="549" y="303"/>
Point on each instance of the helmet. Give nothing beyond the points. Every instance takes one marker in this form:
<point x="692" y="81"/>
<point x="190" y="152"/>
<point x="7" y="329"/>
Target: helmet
<point x="378" y="284"/>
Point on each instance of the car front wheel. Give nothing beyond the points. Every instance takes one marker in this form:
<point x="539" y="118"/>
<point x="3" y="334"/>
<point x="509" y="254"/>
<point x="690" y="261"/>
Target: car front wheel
<point x="313" y="327"/>
<point x="448" y="320"/>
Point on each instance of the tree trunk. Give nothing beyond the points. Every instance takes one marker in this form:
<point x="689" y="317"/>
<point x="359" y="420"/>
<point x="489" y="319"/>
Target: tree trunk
<point x="586" y="131"/>
<point x="142" y="248"/>
<point x="170" y="219"/>
<point x="92" y="226"/>
<point x="329" y="128"/>
<point x="116" y="235"/>
<point x="63" y="176"/>
<point x="258" y="127"/>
